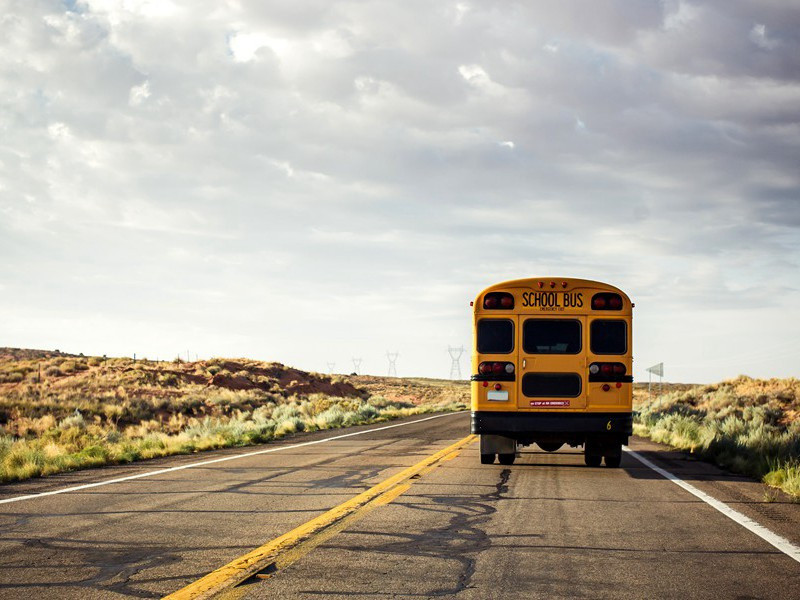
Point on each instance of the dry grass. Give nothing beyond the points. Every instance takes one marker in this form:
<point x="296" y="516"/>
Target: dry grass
<point x="60" y="413"/>
<point x="750" y="426"/>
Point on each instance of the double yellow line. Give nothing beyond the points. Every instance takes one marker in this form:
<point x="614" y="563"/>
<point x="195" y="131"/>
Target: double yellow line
<point x="291" y="546"/>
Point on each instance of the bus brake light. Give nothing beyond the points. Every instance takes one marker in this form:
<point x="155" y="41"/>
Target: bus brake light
<point x="606" y="301"/>
<point x="498" y="300"/>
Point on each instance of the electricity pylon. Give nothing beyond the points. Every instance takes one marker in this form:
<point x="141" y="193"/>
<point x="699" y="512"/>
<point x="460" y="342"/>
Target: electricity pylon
<point x="331" y="366"/>
<point x="357" y="365"/>
<point x="392" y="356"/>
<point x="455" y="367"/>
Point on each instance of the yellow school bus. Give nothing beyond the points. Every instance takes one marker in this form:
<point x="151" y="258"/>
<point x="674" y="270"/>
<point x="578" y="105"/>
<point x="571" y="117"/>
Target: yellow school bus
<point x="552" y="365"/>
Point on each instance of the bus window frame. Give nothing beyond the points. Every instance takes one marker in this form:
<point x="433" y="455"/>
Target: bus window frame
<point x="513" y="334"/>
<point x="624" y="322"/>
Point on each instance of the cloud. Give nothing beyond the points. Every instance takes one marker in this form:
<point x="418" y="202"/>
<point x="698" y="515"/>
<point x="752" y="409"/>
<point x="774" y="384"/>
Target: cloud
<point x="216" y="166"/>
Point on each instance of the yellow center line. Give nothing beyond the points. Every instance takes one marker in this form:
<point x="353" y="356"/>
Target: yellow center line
<point x="262" y="557"/>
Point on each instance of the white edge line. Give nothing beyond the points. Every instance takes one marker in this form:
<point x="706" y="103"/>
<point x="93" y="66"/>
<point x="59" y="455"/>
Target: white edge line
<point x="768" y="536"/>
<point x="215" y="460"/>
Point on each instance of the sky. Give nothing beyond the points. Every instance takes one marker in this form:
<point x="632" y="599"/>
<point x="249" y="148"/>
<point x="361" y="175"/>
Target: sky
<point x="309" y="182"/>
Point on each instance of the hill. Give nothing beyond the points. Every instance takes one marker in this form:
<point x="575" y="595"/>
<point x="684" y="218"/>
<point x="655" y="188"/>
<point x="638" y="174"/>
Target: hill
<point x="60" y="412"/>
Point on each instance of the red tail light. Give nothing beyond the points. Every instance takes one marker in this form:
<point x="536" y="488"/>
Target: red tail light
<point x="606" y="301"/>
<point x="499" y="370"/>
<point x="498" y="300"/>
<point x="601" y="371"/>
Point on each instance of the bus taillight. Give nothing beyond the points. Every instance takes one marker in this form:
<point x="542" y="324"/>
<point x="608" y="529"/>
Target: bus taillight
<point x="498" y="300"/>
<point x="608" y="372"/>
<point x="606" y="301"/>
<point x="497" y="370"/>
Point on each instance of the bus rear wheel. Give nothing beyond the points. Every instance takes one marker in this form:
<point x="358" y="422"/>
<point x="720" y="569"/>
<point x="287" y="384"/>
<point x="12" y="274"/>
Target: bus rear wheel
<point x="506" y="459"/>
<point x="614" y="458"/>
<point x="487" y="459"/>
<point x="592" y="460"/>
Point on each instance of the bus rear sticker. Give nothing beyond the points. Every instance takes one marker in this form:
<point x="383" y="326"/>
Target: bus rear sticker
<point x="549" y="403"/>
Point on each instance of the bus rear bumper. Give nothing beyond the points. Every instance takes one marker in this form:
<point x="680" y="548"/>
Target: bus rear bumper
<point x="532" y="426"/>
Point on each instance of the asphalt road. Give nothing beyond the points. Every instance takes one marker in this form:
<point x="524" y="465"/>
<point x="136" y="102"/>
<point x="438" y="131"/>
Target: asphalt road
<point x="546" y="527"/>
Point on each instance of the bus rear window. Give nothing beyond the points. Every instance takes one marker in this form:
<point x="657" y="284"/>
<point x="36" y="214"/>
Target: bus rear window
<point x="608" y="337"/>
<point x="495" y="336"/>
<point x="551" y="336"/>
<point x="551" y="385"/>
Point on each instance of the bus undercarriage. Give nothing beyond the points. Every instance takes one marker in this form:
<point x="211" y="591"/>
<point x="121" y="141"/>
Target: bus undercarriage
<point x="601" y="434"/>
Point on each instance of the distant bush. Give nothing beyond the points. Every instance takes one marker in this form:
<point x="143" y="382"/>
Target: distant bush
<point x="169" y="379"/>
<point x="53" y="372"/>
<point x="14" y="377"/>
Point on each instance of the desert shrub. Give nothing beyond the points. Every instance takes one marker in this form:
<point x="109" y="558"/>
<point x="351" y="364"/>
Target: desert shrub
<point x="331" y="418"/>
<point x="68" y="366"/>
<point x="289" y="425"/>
<point x="53" y="371"/>
<point x="14" y="377"/>
<point x="169" y="380"/>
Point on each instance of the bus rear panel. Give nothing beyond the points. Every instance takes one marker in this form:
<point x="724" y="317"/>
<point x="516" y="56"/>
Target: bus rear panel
<point x="551" y="365"/>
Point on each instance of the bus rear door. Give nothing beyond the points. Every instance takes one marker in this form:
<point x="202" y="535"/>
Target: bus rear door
<point x="552" y="362"/>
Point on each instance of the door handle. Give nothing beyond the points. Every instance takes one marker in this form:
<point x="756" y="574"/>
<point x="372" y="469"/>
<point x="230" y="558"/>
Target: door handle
<point x="524" y="362"/>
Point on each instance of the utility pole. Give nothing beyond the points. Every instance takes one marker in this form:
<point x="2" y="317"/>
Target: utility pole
<point x="357" y="365"/>
<point x="392" y="356"/>
<point x="455" y="366"/>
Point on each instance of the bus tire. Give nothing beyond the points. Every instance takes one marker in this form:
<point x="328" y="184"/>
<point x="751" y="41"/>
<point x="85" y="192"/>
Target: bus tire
<point x="592" y="460"/>
<point x="613" y="460"/>
<point x="549" y="446"/>
<point x="487" y="459"/>
<point x="506" y="459"/>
